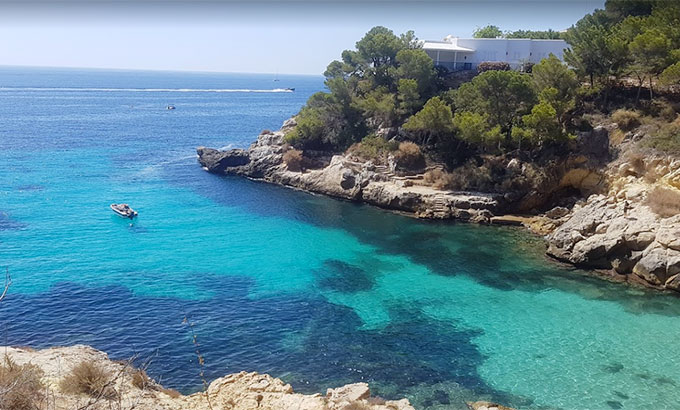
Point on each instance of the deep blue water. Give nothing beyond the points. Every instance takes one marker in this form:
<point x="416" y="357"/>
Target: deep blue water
<point x="316" y="291"/>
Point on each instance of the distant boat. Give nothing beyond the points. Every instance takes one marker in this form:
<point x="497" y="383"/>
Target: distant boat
<point x="123" y="210"/>
<point x="290" y="89"/>
<point x="170" y="107"/>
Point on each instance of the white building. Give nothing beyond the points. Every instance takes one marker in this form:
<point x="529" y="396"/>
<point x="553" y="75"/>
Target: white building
<point x="465" y="53"/>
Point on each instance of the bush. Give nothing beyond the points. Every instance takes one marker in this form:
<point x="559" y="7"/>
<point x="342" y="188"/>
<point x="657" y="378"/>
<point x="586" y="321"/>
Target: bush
<point x="493" y="65"/>
<point x="438" y="178"/>
<point x="626" y="120"/>
<point x="666" y="139"/>
<point x="141" y="380"/>
<point x="294" y="160"/>
<point x="90" y="379"/>
<point x="409" y="157"/>
<point x="21" y="387"/>
<point x="665" y="202"/>
<point x="373" y="147"/>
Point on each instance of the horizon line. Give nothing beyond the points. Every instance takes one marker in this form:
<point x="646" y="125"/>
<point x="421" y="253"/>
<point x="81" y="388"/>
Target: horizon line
<point x="162" y="70"/>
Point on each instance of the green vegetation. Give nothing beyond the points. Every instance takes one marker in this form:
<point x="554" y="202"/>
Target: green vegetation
<point x="628" y="38"/>
<point x="387" y="85"/>
<point x="492" y="31"/>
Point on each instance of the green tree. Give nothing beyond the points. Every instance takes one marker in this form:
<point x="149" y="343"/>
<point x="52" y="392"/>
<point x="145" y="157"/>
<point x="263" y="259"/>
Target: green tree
<point x="474" y="129"/>
<point x="489" y="31"/>
<point x="378" y="107"/>
<point x="503" y="96"/>
<point x="671" y="75"/>
<point x="595" y="52"/>
<point x="417" y="65"/>
<point x="539" y="127"/>
<point x="379" y="46"/>
<point x="408" y="97"/>
<point x="556" y="84"/>
<point x="431" y="124"/>
<point x="549" y="34"/>
<point x="650" y="53"/>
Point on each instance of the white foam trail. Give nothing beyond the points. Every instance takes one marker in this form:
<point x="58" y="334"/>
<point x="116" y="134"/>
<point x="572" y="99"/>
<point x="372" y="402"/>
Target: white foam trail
<point x="150" y="90"/>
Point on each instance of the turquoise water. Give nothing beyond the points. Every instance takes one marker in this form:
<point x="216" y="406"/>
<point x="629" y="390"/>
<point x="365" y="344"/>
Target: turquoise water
<point x="316" y="291"/>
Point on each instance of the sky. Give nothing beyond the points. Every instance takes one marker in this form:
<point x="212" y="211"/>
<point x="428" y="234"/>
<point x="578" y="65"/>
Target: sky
<point x="285" y="37"/>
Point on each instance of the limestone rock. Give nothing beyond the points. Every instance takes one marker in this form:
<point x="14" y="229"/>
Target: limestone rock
<point x="652" y="266"/>
<point x="239" y="391"/>
<point x="486" y="405"/>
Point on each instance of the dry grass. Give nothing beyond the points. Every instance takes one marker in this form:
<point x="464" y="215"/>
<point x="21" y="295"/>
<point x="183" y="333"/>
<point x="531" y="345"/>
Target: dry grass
<point x="141" y="380"/>
<point x="21" y="387"/>
<point x="294" y="160"/>
<point x="626" y="119"/>
<point x="90" y="379"/>
<point x="616" y="137"/>
<point x="664" y="201"/>
<point x="438" y="179"/>
<point x="409" y="157"/>
<point x="170" y="392"/>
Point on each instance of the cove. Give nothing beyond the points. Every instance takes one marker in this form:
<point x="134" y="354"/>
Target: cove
<point x="317" y="291"/>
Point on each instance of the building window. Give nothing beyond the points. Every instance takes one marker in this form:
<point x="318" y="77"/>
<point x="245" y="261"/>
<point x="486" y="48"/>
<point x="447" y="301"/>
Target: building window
<point x="467" y="66"/>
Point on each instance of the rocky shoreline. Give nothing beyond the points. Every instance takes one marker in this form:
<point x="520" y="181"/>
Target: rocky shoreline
<point x="54" y="379"/>
<point x="609" y="226"/>
<point x="125" y="387"/>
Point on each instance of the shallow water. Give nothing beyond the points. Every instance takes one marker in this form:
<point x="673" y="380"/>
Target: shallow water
<point x="316" y="291"/>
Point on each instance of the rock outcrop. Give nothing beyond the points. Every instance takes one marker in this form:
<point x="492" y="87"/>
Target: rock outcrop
<point x="238" y="391"/>
<point x="620" y="231"/>
<point x="613" y="230"/>
<point x="343" y="178"/>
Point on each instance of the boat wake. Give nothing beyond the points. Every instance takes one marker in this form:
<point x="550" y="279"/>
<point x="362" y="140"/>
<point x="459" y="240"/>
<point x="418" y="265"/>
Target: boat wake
<point x="151" y="90"/>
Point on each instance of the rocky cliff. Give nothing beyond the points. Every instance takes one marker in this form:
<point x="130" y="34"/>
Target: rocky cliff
<point x="633" y="229"/>
<point x="343" y="178"/>
<point x="123" y="387"/>
<point x="604" y="221"/>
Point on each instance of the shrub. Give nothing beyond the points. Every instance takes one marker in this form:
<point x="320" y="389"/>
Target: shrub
<point x="90" y="379"/>
<point x="373" y="147"/>
<point x="665" y="202"/>
<point x="294" y="160"/>
<point x="409" y="157"/>
<point x="493" y="65"/>
<point x="21" y="387"/>
<point x="626" y="120"/>
<point x="141" y="380"/>
<point x="438" y="178"/>
<point x="666" y="139"/>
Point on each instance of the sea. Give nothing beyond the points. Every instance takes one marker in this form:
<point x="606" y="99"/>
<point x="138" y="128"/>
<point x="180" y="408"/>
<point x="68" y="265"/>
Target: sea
<point x="316" y="291"/>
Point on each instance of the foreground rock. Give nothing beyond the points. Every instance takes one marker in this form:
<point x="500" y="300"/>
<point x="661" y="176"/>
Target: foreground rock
<point x="132" y="390"/>
<point x="343" y="178"/>
<point x="621" y="231"/>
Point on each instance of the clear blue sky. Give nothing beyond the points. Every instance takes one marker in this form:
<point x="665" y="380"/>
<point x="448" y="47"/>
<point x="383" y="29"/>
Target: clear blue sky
<point x="299" y="37"/>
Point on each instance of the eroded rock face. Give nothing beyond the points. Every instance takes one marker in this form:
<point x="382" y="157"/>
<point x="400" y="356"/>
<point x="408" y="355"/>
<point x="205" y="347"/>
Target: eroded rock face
<point x="240" y="391"/>
<point x="619" y="231"/>
<point x="344" y="178"/>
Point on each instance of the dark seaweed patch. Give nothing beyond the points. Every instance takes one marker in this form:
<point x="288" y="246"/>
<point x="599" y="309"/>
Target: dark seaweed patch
<point x="613" y="404"/>
<point x="612" y="367"/>
<point x="343" y="277"/>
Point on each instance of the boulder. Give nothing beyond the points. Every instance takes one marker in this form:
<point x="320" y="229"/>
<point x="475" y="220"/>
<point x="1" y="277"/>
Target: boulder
<point x="349" y="392"/>
<point x="652" y="266"/>
<point x="218" y="161"/>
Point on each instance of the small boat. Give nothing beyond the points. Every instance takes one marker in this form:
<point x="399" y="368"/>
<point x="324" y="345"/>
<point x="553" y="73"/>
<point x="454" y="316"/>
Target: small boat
<point x="290" y="89"/>
<point x="123" y="210"/>
<point x="170" y="107"/>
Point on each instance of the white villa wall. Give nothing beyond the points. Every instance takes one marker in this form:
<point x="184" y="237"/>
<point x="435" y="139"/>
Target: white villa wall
<point x="513" y="51"/>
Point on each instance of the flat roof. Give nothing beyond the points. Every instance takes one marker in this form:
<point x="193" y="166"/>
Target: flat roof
<point x="444" y="45"/>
